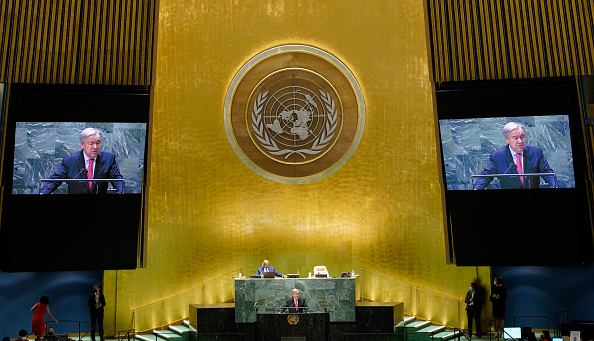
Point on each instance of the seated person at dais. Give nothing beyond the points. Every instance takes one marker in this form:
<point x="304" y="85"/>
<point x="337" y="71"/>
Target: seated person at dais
<point x="267" y="268"/>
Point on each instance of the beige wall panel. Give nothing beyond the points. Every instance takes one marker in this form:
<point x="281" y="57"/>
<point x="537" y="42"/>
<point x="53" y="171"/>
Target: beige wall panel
<point x="210" y="215"/>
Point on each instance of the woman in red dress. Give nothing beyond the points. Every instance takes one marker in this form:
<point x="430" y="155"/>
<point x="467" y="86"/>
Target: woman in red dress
<point x="39" y="311"/>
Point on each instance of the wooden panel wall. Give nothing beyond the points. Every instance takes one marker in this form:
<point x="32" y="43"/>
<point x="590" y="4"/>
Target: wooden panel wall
<point x="511" y="39"/>
<point x="77" y="41"/>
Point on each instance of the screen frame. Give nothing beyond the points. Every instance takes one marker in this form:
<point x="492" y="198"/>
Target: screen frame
<point x="470" y="217"/>
<point x="68" y="103"/>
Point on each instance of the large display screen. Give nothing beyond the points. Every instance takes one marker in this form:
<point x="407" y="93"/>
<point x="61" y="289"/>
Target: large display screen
<point x="40" y="148"/>
<point x="472" y="146"/>
<point x="513" y="171"/>
<point x="85" y="149"/>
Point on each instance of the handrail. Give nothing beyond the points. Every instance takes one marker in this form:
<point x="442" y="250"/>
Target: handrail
<point x="557" y="320"/>
<point x="531" y="316"/>
<point x="185" y="292"/>
<point x="127" y="335"/>
<point x="513" y="318"/>
<point x="458" y="334"/>
<point x="163" y="301"/>
<point x="412" y="286"/>
<point x="75" y="321"/>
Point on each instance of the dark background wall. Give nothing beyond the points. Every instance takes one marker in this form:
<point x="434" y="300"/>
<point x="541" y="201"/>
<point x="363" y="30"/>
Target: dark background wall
<point x="543" y="291"/>
<point x="533" y="291"/>
<point x="68" y="293"/>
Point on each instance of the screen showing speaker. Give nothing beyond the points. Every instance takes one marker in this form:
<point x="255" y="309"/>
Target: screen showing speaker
<point x="85" y="149"/>
<point x="475" y="150"/>
<point x="514" y="173"/>
<point x="41" y="147"/>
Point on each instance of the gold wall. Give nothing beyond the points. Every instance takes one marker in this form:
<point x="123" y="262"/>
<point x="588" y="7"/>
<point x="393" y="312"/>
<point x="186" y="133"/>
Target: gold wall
<point x="210" y="215"/>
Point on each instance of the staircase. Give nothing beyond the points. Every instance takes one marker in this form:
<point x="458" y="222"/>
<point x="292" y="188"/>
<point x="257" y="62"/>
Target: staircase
<point x="412" y="330"/>
<point x="408" y="330"/>
<point x="183" y="332"/>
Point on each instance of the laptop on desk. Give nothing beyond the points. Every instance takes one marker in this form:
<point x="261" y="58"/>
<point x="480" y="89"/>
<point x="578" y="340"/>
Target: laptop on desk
<point x="269" y="275"/>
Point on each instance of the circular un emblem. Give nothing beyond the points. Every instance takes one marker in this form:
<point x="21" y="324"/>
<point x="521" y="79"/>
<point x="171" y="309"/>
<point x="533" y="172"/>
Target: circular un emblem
<point x="294" y="114"/>
<point x="293" y="319"/>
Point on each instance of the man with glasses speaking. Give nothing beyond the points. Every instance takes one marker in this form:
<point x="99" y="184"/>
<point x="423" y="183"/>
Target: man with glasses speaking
<point x="516" y="158"/>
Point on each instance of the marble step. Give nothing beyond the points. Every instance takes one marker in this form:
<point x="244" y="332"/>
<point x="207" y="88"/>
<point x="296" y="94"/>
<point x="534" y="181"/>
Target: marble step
<point x="408" y="319"/>
<point x="431" y="329"/>
<point x="445" y="335"/>
<point x="169" y="335"/>
<point x="146" y="337"/>
<point x="424" y="334"/>
<point x="187" y="324"/>
<point x="181" y="329"/>
<point x="181" y="332"/>
<point x="399" y="328"/>
<point x="417" y="325"/>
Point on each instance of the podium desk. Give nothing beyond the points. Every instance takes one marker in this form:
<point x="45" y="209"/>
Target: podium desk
<point x="335" y="296"/>
<point x="274" y="327"/>
<point x="217" y="322"/>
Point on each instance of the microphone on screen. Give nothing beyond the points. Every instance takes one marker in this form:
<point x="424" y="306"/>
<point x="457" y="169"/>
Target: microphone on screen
<point x="511" y="164"/>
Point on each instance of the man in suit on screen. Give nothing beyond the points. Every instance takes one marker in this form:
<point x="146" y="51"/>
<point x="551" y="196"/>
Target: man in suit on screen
<point x="295" y="304"/>
<point x="516" y="158"/>
<point x="89" y="163"/>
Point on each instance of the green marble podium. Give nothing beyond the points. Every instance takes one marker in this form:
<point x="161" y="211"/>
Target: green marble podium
<point x="336" y="296"/>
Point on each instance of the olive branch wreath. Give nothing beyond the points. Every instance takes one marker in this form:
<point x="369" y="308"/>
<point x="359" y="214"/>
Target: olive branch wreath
<point x="319" y="143"/>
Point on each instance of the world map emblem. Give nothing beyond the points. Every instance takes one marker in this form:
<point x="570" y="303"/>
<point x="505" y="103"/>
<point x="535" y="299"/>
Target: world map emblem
<point x="293" y="319"/>
<point x="294" y="114"/>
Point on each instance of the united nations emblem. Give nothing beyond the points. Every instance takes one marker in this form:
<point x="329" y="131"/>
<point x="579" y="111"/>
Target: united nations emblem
<point x="294" y="114"/>
<point x="293" y="319"/>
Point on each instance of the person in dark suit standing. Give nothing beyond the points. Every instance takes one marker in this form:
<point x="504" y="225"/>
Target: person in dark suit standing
<point x="96" y="303"/>
<point x="89" y="163"/>
<point x="516" y="158"/>
<point x="474" y="301"/>
<point x="295" y="304"/>
<point x="267" y="268"/>
<point x="498" y="297"/>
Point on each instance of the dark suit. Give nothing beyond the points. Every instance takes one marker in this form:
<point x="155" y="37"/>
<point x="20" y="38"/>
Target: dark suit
<point x="73" y="167"/>
<point x="473" y="310"/>
<point x="96" y="314"/>
<point x="270" y="269"/>
<point x="290" y="304"/>
<point x="501" y="162"/>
